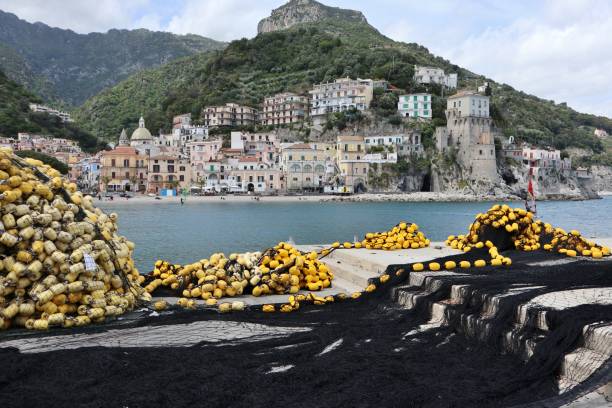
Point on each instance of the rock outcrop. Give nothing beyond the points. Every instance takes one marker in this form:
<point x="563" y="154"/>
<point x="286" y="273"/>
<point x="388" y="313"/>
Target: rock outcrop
<point x="305" y="11"/>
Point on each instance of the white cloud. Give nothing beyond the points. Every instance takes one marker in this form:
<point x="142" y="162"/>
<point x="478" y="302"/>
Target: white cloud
<point x="77" y="15"/>
<point x="222" y="20"/>
<point x="550" y="55"/>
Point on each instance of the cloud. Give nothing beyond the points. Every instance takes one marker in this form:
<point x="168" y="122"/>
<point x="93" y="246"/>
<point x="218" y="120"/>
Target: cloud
<point x="550" y="54"/>
<point x="77" y="15"/>
<point x="222" y="20"/>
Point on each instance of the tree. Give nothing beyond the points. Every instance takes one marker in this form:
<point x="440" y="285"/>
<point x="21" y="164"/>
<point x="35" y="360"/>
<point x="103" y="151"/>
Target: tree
<point x="105" y="181"/>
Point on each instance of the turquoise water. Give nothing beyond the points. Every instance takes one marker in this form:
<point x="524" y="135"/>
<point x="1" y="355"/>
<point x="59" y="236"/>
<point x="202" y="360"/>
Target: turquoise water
<point x="187" y="233"/>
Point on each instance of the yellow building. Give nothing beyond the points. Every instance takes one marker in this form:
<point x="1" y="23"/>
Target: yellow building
<point x="307" y="166"/>
<point x="350" y="157"/>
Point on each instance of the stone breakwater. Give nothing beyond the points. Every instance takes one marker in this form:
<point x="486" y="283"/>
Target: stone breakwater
<point x="422" y="197"/>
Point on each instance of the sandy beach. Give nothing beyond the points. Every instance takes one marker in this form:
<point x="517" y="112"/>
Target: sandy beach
<point x="367" y="197"/>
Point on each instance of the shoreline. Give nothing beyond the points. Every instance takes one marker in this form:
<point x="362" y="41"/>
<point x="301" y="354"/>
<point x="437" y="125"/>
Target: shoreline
<point x="415" y="197"/>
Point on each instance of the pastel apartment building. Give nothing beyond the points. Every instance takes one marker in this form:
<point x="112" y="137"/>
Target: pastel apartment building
<point x="230" y="114"/>
<point x="415" y="106"/>
<point x="340" y="96"/>
<point x="350" y="158"/>
<point x="283" y="109"/>
<point x="306" y="166"/>
<point x="167" y="172"/>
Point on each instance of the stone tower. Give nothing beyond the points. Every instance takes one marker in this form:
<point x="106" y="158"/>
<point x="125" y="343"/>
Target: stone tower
<point x="469" y="129"/>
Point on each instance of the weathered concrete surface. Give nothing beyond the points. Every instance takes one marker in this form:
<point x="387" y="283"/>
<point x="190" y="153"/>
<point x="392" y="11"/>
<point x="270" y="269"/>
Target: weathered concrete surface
<point x="177" y="335"/>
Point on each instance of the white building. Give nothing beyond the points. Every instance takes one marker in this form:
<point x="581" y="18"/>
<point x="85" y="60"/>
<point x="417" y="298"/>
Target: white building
<point x="432" y="75"/>
<point x="340" y="96"/>
<point x="416" y="106"/>
<point x="64" y="116"/>
<point x="403" y="144"/>
<point x="469" y="104"/>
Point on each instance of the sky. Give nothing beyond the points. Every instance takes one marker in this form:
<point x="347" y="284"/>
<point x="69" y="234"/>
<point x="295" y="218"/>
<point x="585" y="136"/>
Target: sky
<point x="555" y="49"/>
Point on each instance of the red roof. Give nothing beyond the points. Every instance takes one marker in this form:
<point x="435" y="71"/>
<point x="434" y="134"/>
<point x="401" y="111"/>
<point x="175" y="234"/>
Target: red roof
<point x="120" y="150"/>
<point x="299" y="146"/>
<point x="248" y="159"/>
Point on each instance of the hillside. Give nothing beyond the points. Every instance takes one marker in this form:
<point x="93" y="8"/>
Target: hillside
<point x="307" y="53"/>
<point x="78" y="66"/>
<point x="15" y="116"/>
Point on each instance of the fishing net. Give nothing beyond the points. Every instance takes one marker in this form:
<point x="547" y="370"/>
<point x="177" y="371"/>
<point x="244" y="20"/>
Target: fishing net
<point x="358" y="351"/>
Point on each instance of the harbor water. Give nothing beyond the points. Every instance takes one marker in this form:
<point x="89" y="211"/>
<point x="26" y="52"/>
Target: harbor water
<point x="180" y="234"/>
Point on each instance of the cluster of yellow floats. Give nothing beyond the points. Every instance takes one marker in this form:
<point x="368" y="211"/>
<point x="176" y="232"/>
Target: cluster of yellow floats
<point x="63" y="263"/>
<point x="275" y="275"/>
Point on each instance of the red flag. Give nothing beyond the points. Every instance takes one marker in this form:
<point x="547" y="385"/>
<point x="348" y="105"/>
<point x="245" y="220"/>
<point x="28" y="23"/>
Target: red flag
<point x="530" y="188"/>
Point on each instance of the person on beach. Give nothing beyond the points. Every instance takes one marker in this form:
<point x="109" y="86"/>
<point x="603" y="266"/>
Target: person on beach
<point x="182" y="201"/>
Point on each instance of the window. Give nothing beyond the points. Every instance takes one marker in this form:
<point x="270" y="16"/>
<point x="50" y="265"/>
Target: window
<point x="425" y="98"/>
<point x="113" y="174"/>
<point x="238" y="179"/>
<point x="126" y="162"/>
<point x="303" y="158"/>
<point x="170" y="168"/>
<point x="127" y="174"/>
<point x="346" y="148"/>
<point x="212" y="167"/>
<point x="364" y="170"/>
<point x="414" y="98"/>
<point x="416" y="106"/>
<point x="425" y="113"/>
<point x="182" y="168"/>
<point x="260" y="179"/>
<point x="156" y="168"/>
<point x="480" y="151"/>
<point x="181" y="178"/>
<point x="290" y="157"/>
<point x="271" y="178"/>
<point x="113" y="163"/>
<point x="425" y="106"/>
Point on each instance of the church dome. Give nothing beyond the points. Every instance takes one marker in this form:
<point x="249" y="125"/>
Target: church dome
<point x="141" y="133"/>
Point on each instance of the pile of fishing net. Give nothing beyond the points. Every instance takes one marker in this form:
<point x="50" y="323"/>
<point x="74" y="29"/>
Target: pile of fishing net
<point x="62" y="260"/>
<point x="282" y="269"/>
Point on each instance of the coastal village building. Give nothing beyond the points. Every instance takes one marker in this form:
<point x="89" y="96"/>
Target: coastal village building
<point x="248" y="174"/>
<point x="470" y="132"/>
<point x="415" y="106"/>
<point x="284" y="108"/>
<point x="340" y="96"/>
<point x="432" y="75"/>
<point x="64" y="116"/>
<point x="230" y="114"/>
<point x="307" y="167"/>
<point x="350" y="158"/>
<point x="402" y="144"/>
<point x="264" y="146"/>
<point x="123" y="169"/>
<point x="88" y="173"/>
<point x="167" y="172"/>
<point x="534" y="159"/>
<point x="183" y="133"/>
<point x="204" y="151"/>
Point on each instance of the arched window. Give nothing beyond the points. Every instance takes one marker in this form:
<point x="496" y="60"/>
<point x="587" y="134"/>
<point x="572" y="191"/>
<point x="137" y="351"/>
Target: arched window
<point x="295" y="168"/>
<point x="319" y="168"/>
<point x="307" y="168"/>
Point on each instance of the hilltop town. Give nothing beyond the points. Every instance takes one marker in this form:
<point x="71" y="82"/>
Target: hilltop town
<point x="212" y="154"/>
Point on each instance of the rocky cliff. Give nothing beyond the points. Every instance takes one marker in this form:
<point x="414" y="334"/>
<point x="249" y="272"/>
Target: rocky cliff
<point x="305" y="11"/>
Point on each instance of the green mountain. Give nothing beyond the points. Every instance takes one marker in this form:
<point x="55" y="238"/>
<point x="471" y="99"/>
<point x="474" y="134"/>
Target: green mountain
<point x="314" y="49"/>
<point x="61" y="64"/>
<point x="15" y="116"/>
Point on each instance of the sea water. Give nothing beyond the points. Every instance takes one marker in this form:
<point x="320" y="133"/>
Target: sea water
<point x="181" y="234"/>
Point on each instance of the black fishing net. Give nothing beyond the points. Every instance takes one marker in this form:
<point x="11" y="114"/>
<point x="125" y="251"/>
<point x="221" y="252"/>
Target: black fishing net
<point x="355" y="353"/>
